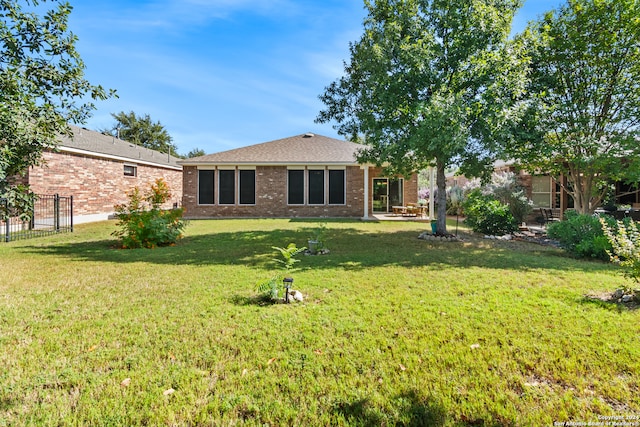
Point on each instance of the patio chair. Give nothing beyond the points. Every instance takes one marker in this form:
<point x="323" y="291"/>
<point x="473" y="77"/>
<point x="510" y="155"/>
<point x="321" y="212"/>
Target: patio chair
<point x="549" y="215"/>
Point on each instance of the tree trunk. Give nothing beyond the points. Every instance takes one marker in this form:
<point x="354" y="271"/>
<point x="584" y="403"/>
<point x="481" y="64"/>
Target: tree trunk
<point x="584" y="202"/>
<point x="441" y="182"/>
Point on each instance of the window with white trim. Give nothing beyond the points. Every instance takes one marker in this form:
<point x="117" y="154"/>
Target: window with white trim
<point x="226" y="186"/>
<point x="130" y="170"/>
<point x="337" y="187"/>
<point x="316" y="187"/>
<point x="247" y="184"/>
<point x="541" y="191"/>
<point x="295" y="186"/>
<point x="206" y="180"/>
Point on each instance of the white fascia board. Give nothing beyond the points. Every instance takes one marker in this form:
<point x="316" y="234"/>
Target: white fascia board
<point x="205" y="165"/>
<point x="112" y="157"/>
<point x="366" y="165"/>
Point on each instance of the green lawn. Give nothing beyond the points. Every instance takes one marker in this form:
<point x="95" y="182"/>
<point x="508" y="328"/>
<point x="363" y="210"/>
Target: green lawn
<point x="393" y="331"/>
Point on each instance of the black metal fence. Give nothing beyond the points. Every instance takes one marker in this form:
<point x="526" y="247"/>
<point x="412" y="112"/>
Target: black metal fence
<point x="51" y="214"/>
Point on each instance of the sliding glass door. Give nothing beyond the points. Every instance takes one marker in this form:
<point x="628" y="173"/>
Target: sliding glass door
<point x="387" y="193"/>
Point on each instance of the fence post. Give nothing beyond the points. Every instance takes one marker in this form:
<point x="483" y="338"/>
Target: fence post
<point x="71" y="212"/>
<point x="7" y="235"/>
<point x="56" y="212"/>
<point x="6" y="219"/>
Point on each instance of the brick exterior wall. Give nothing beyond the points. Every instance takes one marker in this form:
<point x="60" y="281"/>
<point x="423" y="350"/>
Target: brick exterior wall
<point x="271" y="197"/>
<point x="411" y="189"/>
<point x="97" y="184"/>
<point x="18" y="180"/>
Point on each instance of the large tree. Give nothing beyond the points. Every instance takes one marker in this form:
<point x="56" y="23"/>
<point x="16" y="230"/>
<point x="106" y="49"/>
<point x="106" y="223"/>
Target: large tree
<point x="583" y="97"/>
<point x="196" y="152"/>
<point x="141" y="130"/>
<point x="427" y="84"/>
<point x="42" y="88"/>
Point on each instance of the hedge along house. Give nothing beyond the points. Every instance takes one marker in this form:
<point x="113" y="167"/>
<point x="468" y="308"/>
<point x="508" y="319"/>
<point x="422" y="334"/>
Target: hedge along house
<point x="302" y="176"/>
<point x="98" y="171"/>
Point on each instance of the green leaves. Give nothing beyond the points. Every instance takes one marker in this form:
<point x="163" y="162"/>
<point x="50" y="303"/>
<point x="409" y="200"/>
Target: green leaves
<point x="624" y="239"/>
<point x="429" y="83"/>
<point x="142" y="223"/>
<point x="583" y="100"/>
<point x="288" y="256"/>
<point x="41" y="84"/>
<point x="142" y="131"/>
<point x="271" y="288"/>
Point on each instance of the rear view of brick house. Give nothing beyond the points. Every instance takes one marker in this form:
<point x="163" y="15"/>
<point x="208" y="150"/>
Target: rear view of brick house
<point x="306" y="175"/>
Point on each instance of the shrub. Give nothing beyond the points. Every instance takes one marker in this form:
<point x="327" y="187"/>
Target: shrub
<point x="455" y="196"/>
<point x="582" y="235"/>
<point x="504" y="188"/>
<point x="624" y="239"/>
<point x="271" y="289"/>
<point x="519" y="205"/>
<point x="485" y="214"/>
<point x="143" y="223"/>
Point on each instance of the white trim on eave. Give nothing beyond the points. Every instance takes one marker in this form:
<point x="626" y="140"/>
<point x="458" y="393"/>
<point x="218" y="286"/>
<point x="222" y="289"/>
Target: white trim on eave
<point x="200" y="165"/>
<point x="112" y="157"/>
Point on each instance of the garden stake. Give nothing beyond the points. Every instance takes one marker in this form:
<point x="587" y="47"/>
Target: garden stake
<point x="288" y="281"/>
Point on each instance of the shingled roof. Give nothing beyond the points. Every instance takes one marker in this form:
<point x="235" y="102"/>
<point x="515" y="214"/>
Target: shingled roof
<point x="307" y="148"/>
<point x="89" y="142"/>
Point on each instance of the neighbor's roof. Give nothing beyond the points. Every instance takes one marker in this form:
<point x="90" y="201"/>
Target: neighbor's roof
<point x="93" y="143"/>
<point x="307" y="148"/>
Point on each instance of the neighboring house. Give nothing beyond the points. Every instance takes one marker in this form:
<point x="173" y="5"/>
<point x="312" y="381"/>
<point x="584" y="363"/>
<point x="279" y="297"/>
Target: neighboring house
<point x="302" y="176"/>
<point x="98" y="170"/>
<point x="543" y="190"/>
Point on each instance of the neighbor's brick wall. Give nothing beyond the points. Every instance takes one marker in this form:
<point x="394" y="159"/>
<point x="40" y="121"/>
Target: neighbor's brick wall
<point x="19" y="179"/>
<point x="97" y="184"/>
<point x="271" y="197"/>
<point x="525" y="180"/>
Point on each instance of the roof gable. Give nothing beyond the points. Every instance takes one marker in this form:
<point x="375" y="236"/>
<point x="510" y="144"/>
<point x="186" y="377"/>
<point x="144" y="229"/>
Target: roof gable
<point x="300" y="149"/>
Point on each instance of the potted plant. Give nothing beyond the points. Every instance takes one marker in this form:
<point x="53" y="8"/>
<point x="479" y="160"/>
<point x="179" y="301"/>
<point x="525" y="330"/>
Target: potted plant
<point x="316" y="242"/>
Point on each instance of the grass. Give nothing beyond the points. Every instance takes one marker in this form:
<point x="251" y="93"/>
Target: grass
<point x="393" y="331"/>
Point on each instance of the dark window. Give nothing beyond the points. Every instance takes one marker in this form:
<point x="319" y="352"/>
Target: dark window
<point x="336" y="187"/>
<point x="130" y="170"/>
<point x="316" y="187"/>
<point x="247" y="187"/>
<point x="226" y="187"/>
<point x="205" y="187"/>
<point x="296" y="187"/>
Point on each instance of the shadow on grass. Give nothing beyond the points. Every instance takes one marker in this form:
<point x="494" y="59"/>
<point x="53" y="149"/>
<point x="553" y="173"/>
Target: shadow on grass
<point x="258" y="300"/>
<point x="6" y="403"/>
<point x="351" y="249"/>
<point x="414" y="411"/>
<point x="608" y="304"/>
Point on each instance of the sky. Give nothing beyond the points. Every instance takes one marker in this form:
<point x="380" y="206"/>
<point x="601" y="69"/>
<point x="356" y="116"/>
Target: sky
<point x="223" y="74"/>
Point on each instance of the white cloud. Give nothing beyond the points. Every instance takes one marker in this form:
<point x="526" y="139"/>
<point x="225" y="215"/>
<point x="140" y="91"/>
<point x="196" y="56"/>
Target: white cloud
<point x="214" y="88"/>
<point x="181" y="15"/>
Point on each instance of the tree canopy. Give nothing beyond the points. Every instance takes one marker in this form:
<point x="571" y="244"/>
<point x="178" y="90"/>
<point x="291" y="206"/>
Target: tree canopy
<point x="141" y="130"/>
<point x="196" y="152"/>
<point x="428" y="84"/>
<point x="42" y="87"/>
<point x="583" y="99"/>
